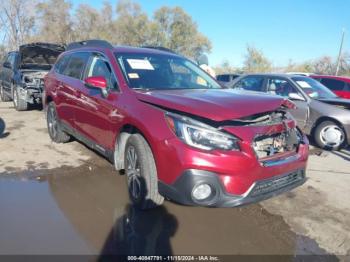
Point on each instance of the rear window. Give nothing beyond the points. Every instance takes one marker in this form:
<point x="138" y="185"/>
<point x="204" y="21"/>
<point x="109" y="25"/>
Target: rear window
<point x="333" y="84"/>
<point x="76" y="65"/>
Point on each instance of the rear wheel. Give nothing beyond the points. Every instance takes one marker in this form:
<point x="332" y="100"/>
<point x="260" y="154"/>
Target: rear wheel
<point x="330" y="136"/>
<point x="53" y="125"/>
<point x="19" y="103"/>
<point x="3" y="96"/>
<point x="141" y="173"/>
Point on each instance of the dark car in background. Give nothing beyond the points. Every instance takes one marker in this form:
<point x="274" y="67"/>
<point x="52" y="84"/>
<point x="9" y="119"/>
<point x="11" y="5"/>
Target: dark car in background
<point x="23" y="71"/>
<point x="226" y="79"/>
<point x="320" y="113"/>
<point x="340" y="85"/>
<point x="172" y="128"/>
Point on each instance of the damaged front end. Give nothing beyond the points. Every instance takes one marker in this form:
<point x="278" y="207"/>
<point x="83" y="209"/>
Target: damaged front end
<point x="32" y="86"/>
<point x="36" y="60"/>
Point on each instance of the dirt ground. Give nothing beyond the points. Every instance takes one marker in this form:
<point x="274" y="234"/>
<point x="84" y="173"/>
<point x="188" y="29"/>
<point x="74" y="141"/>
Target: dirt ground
<point x="71" y="192"/>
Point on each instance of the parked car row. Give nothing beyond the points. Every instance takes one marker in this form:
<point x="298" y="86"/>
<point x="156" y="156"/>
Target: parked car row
<point x="174" y="130"/>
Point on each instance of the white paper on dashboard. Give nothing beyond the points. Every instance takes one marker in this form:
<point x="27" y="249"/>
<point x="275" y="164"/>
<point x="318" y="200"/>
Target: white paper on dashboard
<point x="140" y="64"/>
<point x="303" y="84"/>
<point x="133" y="75"/>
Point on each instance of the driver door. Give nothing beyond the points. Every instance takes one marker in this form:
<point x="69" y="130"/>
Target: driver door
<point x="282" y="87"/>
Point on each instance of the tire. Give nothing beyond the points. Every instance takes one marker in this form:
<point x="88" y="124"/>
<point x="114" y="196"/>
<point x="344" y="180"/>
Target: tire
<point x="18" y="103"/>
<point x="3" y="96"/>
<point x="329" y="136"/>
<point x="141" y="173"/>
<point x="56" y="133"/>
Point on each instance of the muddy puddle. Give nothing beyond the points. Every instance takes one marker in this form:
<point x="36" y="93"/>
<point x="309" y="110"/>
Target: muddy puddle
<point x="86" y="210"/>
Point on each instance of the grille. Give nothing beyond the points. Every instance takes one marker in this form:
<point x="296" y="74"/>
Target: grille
<point x="269" y="185"/>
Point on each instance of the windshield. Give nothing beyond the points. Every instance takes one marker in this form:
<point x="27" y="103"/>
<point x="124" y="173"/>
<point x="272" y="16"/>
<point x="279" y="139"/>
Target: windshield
<point x="157" y="71"/>
<point x="313" y="88"/>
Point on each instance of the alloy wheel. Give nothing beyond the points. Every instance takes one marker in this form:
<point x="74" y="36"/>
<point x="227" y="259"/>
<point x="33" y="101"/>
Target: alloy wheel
<point x="133" y="173"/>
<point x="52" y="121"/>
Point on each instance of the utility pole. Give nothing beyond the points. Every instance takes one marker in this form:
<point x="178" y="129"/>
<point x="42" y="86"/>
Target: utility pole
<point x="340" y="52"/>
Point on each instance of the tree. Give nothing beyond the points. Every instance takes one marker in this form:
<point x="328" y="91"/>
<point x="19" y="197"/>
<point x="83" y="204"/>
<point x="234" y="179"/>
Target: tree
<point x="225" y="68"/>
<point x="17" y="21"/>
<point x="55" y="21"/>
<point x="345" y="64"/>
<point x="323" y="65"/>
<point x="132" y="24"/>
<point x="90" y="23"/>
<point x="255" y="61"/>
<point x="174" y="28"/>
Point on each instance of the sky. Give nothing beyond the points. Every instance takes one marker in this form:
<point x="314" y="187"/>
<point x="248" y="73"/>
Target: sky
<point x="296" y="30"/>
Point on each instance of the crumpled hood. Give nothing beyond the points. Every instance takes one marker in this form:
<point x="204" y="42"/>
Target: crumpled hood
<point x="39" y="54"/>
<point x="217" y="105"/>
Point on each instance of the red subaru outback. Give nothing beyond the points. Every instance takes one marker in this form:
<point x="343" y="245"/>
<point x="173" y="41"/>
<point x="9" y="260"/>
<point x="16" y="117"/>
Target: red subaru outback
<point x="172" y="128"/>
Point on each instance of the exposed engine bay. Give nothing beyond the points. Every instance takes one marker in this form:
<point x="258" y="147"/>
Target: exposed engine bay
<point x="32" y="85"/>
<point x="269" y="145"/>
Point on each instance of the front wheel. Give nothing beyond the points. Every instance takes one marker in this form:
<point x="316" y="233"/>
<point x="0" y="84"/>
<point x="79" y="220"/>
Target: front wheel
<point x="19" y="103"/>
<point x="141" y="173"/>
<point x="330" y="136"/>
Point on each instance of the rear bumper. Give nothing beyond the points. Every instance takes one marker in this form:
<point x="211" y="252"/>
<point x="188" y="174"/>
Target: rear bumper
<point x="181" y="190"/>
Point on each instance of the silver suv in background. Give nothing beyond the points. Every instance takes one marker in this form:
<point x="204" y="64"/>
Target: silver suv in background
<point x="320" y="113"/>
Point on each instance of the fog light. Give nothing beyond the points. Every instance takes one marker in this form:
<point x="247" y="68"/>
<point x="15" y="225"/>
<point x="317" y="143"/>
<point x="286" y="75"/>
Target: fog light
<point x="201" y="191"/>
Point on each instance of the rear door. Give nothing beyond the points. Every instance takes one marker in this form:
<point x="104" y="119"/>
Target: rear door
<point x="337" y="86"/>
<point x="97" y="113"/>
<point x="8" y="73"/>
<point x="283" y="87"/>
<point x="69" y="82"/>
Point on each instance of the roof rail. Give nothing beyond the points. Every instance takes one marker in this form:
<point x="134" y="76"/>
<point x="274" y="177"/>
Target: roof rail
<point x="89" y="43"/>
<point x="160" y="48"/>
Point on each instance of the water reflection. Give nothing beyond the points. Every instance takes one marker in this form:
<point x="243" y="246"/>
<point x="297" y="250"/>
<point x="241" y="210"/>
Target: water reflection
<point x="87" y="209"/>
<point x="142" y="233"/>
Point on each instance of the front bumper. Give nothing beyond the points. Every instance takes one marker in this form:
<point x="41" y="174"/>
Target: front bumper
<point x="181" y="190"/>
<point x="30" y="94"/>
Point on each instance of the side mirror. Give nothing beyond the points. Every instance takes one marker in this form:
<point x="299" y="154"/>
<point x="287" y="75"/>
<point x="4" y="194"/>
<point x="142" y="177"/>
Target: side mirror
<point x="295" y="96"/>
<point x="7" y="65"/>
<point x="96" y="82"/>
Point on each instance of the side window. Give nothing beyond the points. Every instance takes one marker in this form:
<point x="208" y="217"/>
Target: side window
<point x="224" y="78"/>
<point x="281" y="87"/>
<point x="251" y="83"/>
<point x="333" y="84"/>
<point x="61" y="64"/>
<point x="12" y="60"/>
<point x="100" y="67"/>
<point x="347" y="88"/>
<point x="76" y="65"/>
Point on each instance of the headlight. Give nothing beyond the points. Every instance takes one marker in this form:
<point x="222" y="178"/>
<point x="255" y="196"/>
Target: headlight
<point x="200" y="135"/>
